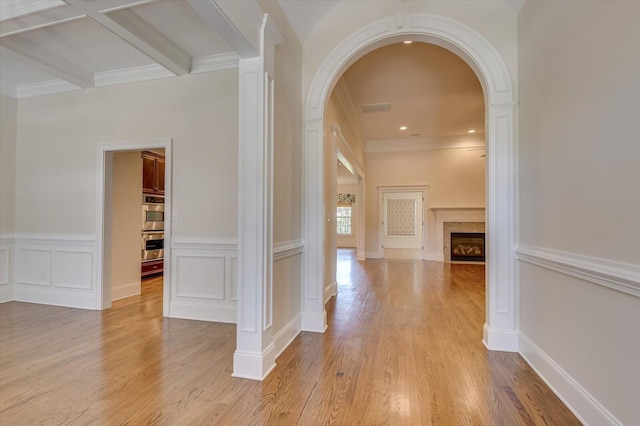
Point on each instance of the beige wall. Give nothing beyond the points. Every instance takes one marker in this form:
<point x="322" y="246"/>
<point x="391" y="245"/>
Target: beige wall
<point x="126" y="224"/>
<point x="59" y="135"/>
<point x="8" y="138"/>
<point x="579" y="175"/>
<point x="456" y="178"/>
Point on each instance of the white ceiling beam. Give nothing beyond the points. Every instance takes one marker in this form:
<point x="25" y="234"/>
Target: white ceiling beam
<point x="138" y="33"/>
<point x="33" y="55"/>
<point x="59" y="13"/>
<point x="238" y="22"/>
<point x="38" y="20"/>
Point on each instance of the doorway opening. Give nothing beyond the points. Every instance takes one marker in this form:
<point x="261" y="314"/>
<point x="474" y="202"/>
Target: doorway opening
<point x="500" y="329"/>
<point x="134" y="226"/>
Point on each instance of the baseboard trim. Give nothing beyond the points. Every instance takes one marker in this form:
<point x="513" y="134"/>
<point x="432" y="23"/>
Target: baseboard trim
<point x="201" y="312"/>
<point x="315" y="323"/>
<point x="6" y="294"/>
<point x="330" y="291"/>
<point x="500" y="340"/>
<point x="581" y="403"/>
<point x="254" y="365"/>
<point x="373" y="255"/>
<point x="65" y="299"/>
<point x="125" y="290"/>
<point x="283" y="338"/>
<point x="618" y="276"/>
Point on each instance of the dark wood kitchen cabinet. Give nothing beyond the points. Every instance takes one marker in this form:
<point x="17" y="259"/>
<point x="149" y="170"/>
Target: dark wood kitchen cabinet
<point x="152" y="173"/>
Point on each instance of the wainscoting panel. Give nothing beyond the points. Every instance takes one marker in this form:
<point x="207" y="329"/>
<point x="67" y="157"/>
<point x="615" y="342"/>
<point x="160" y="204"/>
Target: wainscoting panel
<point x="56" y="270"/>
<point x="33" y="266"/>
<point x="204" y="279"/>
<point x="200" y="276"/>
<point x="73" y="269"/>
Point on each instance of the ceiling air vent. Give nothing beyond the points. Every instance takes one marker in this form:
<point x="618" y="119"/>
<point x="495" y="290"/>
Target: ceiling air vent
<point x="376" y="107"/>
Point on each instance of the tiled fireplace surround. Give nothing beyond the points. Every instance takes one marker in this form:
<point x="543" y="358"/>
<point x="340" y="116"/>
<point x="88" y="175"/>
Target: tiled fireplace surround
<point x="455" y="219"/>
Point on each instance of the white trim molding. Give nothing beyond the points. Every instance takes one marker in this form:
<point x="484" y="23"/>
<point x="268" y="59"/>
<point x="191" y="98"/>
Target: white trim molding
<point x="500" y="99"/>
<point x="287" y="249"/>
<point x="283" y="338"/>
<point x="618" y="276"/>
<point x="204" y="279"/>
<point x="426" y="144"/>
<point x="55" y="270"/>
<point x="7" y="250"/>
<point x="581" y="403"/>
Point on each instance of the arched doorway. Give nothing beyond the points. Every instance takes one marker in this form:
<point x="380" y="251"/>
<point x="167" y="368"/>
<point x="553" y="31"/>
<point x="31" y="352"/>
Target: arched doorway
<point x="500" y="331"/>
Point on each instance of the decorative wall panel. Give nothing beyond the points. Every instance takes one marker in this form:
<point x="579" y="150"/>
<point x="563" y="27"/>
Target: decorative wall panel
<point x="401" y="217"/>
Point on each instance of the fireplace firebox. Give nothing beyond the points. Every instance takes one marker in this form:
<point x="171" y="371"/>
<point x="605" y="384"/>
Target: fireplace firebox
<point x="467" y="246"/>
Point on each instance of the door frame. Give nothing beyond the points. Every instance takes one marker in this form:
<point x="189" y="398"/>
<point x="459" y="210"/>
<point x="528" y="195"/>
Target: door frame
<point x="402" y="188"/>
<point x="103" y="240"/>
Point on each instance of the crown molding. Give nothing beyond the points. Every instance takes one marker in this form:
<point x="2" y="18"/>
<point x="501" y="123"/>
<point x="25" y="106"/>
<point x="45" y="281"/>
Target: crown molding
<point x="200" y="65"/>
<point x="131" y="75"/>
<point x="222" y="61"/>
<point x="44" y="88"/>
<point x="426" y="144"/>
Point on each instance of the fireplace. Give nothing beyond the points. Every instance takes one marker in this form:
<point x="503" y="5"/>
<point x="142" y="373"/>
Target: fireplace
<point x="467" y="246"/>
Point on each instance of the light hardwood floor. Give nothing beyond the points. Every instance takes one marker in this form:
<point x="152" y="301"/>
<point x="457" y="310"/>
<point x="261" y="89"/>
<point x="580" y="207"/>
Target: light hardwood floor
<point x="403" y="347"/>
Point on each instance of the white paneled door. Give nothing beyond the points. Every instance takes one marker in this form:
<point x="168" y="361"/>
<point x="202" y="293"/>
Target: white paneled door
<point x="402" y="220"/>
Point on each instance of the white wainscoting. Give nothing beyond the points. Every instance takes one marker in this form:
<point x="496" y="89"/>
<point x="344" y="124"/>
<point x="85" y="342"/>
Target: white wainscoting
<point x="204" y="280"/>
<point x="55" y="270"/>
<point x="6" y="268"/>
<point x="283" y="337"/>
<point x="618" y="276"/>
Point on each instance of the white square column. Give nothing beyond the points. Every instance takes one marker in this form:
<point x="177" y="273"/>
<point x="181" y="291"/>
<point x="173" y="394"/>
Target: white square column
<point x="255" y="353"/>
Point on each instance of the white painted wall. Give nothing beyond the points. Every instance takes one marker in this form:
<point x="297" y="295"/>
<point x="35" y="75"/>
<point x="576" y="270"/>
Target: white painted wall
<point x="579" y="175"/>
<point x="126" y="224"/>
<point x="57" y="151"/>
<point x="8" y="138"/>
<point x="456" y="178"/>
<point x="56" y="170"/>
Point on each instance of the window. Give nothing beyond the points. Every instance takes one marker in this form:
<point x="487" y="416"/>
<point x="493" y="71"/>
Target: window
<point x="343" y="221"/>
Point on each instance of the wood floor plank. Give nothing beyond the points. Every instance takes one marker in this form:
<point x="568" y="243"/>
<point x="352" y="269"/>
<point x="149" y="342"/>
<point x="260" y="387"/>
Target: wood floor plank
<point x="403" y="348"/>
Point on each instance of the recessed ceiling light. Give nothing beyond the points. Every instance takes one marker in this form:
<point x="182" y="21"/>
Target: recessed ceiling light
<point x="471" y="131"/>
<point x="403" y="127"/>
<point x="407" y="42"/>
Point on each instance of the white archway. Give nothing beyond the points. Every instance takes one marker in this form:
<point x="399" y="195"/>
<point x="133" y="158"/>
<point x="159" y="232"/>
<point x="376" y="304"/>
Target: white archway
<point x="500" y="329"/>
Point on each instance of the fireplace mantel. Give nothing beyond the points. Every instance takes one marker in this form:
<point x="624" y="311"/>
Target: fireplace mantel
<point x="453" y="214"/>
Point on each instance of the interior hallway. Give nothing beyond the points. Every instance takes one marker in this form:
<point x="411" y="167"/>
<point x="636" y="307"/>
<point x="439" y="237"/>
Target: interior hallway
<point x="403" y="347"/>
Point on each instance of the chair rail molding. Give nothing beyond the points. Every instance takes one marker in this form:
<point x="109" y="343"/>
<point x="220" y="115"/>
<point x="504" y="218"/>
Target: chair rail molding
<point x="619" y="276"/>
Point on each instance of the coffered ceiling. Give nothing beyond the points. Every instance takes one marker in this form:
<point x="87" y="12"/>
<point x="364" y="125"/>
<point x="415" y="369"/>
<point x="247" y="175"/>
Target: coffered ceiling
<point x="49" y="46"/>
